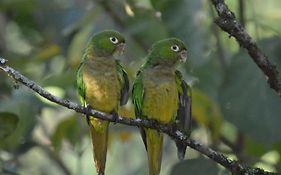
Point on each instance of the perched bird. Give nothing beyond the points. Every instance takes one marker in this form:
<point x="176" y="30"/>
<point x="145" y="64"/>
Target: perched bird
<point x="160" y="93"/>
<point x="103" y="85"/>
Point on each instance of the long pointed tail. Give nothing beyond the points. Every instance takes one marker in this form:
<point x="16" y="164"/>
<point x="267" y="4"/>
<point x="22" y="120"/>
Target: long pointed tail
<point x="99" y="134"/>
<point x="154" y="141"/>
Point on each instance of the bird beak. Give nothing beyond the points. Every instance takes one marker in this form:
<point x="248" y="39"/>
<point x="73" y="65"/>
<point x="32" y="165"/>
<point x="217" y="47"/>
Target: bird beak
<point x="120" y="48"/>
<point x="183" y="55"/>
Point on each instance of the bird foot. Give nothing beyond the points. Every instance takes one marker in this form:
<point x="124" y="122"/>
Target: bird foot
<point x="86" y="112"/>
<point x="114" y="116"/>
<point x="174" y="127"/>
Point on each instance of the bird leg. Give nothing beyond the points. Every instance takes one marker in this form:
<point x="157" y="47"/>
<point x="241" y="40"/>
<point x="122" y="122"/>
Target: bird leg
<point x="114" y="116"/>
<point x="86" y="112"/>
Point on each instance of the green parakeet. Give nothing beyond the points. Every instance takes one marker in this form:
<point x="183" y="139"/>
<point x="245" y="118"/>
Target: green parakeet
<point x="103" y="85"/>
<point x="160" y="93"/>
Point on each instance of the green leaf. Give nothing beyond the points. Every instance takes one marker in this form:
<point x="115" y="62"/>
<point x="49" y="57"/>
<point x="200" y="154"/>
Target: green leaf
<point x="22" y="11"/>
<point x="254" y="148"/>
<point x="246" y="99"/>
<point x="200" y="166"/>
<point x="26" y="106"/>
<point x="206" y="112"/>
<point x="67" y="129"/>
<point x="277" y="147"/>
<point x="229" y="131"/>
<point x="8" y="124"/>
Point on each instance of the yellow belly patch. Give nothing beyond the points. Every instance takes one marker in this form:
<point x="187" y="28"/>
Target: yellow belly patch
<point x="102" y="86"/>
<point x="160" y="97"/>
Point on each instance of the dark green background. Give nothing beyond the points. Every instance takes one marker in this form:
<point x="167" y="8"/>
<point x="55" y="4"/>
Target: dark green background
<point x="232" y="102"/>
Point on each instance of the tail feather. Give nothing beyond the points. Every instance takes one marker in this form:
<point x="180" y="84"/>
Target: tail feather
<point x="99" y="134"/>
<point x="181" y="149"/>
<point x="154" y="141"/>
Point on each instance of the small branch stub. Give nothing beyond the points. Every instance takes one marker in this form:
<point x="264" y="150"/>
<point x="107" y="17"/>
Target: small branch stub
<point x="3" y="61"/>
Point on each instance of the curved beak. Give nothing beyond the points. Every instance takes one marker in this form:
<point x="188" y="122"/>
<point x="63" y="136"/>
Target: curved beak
<point x="120" y="48"/>
<point x="183" y="55"/>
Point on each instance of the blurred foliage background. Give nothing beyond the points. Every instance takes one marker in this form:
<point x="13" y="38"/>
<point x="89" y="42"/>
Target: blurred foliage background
<point x="234" y="110"/>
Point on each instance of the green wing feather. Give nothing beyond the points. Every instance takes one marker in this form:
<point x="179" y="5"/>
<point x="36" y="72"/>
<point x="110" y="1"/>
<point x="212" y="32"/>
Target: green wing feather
<point x="138" y="94"/>
<point x="124" y="81"/>
<point x="184" y="112"/>
<point x="80" y="84"/>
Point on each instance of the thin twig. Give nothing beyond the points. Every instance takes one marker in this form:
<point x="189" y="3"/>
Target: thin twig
<point x="242" y="12"/>
<point x="220" y="51"/>
<point x="228" y="22"/>
<point x="239" y="147"/>
<point x="175" y="134"/>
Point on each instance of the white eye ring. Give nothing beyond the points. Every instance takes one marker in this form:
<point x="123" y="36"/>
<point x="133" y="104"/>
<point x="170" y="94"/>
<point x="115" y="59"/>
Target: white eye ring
<point x="175" y="48"/>
<point x="114" y="40"/>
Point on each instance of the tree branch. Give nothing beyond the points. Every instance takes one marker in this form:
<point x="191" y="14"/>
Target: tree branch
<point x="228" y="22"/>
<point x="175" y="134"/>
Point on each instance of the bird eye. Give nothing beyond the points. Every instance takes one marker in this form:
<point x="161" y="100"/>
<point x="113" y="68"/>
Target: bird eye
<point x="114" y="40"/>
<point x="175" y="48"/>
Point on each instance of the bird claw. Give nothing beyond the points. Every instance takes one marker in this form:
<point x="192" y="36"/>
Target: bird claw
<point x="114" y="116"/>
<point x="86" y="112"/>
<point x="174" y="126"/>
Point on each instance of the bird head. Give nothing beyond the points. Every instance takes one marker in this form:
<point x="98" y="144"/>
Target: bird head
<point x="106" y="43"/>
<point x="167" y="52"/>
